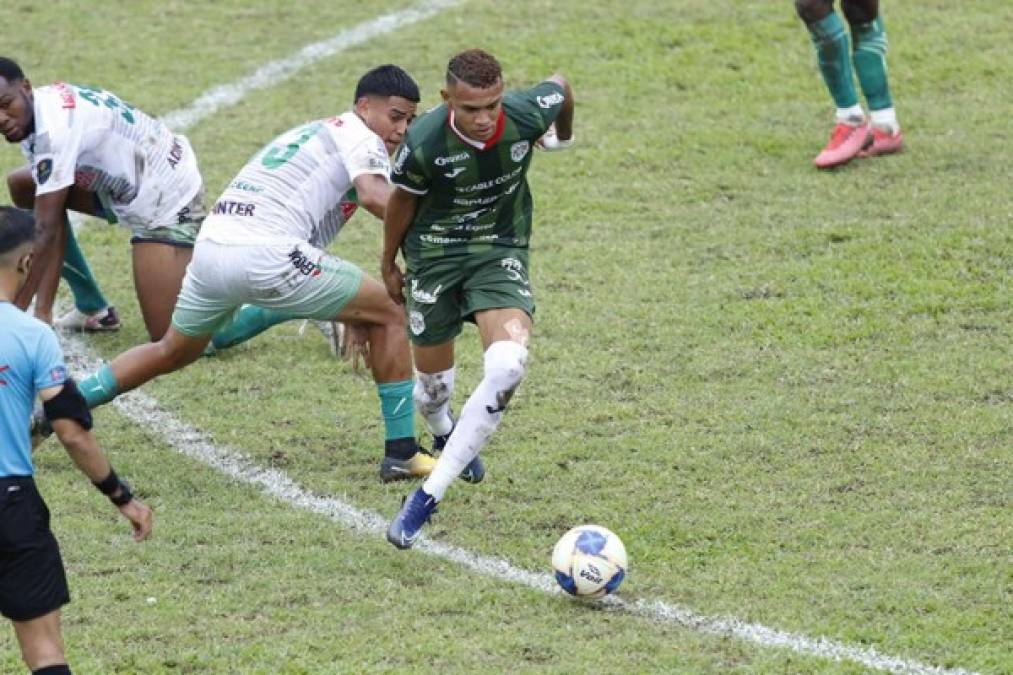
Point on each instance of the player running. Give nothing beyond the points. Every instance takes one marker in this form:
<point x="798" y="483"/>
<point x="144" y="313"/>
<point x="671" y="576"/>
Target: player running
<point x="264" y="242"/>
<point x="90" y="152"/>
<point x="853" y="135"/>
<point x="461" y="215"/>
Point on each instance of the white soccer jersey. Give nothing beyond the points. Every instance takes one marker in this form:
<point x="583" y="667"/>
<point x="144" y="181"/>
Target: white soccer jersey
<point x="89" y="137"/>
<point x="299" y="186"/>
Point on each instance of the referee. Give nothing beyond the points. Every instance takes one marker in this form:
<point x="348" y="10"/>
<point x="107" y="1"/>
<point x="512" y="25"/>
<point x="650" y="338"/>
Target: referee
<point x="33" y="585"/>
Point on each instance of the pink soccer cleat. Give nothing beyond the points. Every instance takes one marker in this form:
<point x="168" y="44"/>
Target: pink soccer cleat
<point x="884" y="142"/>
<point x="846" y="142"/>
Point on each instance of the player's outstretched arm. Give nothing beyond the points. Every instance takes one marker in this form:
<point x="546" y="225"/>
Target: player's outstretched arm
<point x="396" y="221"/>
<point x="50" y="211"/>
<point x="67" y="410"/>
<point x="372" y="191"/>
<point x="564" y="121"/>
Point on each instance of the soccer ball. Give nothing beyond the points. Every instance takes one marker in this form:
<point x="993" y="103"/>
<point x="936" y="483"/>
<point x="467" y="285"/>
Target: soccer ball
<point x="589" y="561"/>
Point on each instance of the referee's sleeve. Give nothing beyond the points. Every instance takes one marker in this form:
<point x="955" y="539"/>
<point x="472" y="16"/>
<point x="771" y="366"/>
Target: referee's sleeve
<point x="49" y="368"/>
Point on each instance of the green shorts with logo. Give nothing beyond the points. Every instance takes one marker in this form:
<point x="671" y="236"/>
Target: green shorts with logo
<point x="441" y="294"/>
<point x="179" y="229"/>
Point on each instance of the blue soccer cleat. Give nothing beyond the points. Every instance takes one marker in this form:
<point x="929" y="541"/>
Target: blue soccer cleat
<point x="416" y="511"/>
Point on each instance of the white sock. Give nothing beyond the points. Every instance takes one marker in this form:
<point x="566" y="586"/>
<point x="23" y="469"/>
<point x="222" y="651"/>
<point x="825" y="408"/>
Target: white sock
<point x="853" y="115"/>
<point x="886" y="119"/>
<point x="504" y="369"/>
<point x="432" y="395"/>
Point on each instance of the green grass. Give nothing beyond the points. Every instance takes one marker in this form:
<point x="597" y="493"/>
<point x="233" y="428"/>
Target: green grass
<point x="788" y="391"/>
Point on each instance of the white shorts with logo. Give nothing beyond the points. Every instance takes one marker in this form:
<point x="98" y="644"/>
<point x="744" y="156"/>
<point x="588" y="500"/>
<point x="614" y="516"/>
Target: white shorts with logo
<point x="287" y="275"/>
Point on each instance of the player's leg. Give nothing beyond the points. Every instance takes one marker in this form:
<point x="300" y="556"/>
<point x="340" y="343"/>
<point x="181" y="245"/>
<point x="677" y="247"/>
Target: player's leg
<point x="851" y="133"/>
<point x="41" y="644"/>
<point x="249" y="322"/>
<point x="159" y="268"/>
<point x="870" y="46"/>
<point x="92" y="310"/>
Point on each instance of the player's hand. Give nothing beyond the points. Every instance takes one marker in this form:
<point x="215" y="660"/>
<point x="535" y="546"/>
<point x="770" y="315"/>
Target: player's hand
<point x="393" y="280"/>
<point x="357" y="345"/>
<point x="139" y="515"/>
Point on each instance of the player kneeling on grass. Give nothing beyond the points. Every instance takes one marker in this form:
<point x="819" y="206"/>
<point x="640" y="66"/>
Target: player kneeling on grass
<point x="90" y="152"/>
<point x="263" y="244"/>
<point x="33" y="585"/>
<point x="461" y="215"/>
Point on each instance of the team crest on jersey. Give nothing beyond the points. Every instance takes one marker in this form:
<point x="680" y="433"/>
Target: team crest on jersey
<point x="519" y="150"/>
<point x="416" y="322"/>
<point x="43" y="170"/>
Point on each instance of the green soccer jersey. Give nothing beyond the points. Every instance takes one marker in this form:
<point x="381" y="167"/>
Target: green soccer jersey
<point x="472" y="196"/>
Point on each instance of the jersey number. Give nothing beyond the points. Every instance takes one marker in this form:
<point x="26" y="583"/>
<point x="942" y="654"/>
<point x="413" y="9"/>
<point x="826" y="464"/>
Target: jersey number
<point x="108" y="100"/>
<point x="277" y="155"/>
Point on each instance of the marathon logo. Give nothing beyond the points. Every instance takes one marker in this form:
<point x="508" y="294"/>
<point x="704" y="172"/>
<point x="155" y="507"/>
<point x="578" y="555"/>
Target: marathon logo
<point x="230" y="208"/>
<point x="303" y="264"/>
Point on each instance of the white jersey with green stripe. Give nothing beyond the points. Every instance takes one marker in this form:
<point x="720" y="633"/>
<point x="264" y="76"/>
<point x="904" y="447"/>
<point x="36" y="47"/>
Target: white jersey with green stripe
<point x="298" y="186"/>
<point x="90" y="138"/>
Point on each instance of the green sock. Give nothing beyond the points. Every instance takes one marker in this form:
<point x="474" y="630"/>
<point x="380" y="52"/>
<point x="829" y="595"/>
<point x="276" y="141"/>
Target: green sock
<point x="100" y="387"/>
<point x="87" y="296"/>
<point x="398" y="409"/>
<point x="870" y="63"/>
<point x="247" y="323"/>
<point x="834" y="58"/>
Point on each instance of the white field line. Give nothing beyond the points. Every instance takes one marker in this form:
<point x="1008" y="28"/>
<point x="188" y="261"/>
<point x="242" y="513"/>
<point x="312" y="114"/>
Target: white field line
<point x="273" y="72"/>
<point x="144" y="411"/>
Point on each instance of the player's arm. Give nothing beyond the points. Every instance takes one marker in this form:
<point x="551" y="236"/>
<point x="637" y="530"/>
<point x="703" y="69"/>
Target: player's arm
<point x="372" y="191"/>
<point x="50" y="214"/>
<point x="564" y="120"/>
<point x="67" y="410"/>
<point x="396" y="221"/>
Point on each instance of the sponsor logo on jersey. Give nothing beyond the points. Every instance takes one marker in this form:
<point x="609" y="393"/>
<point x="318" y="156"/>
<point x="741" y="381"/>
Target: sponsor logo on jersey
<point x="231" y="208"/>
<point x="303" y="264"/>
<point x="519" y="150"/>
<point x="456" y="172"/>
<point x="67" y="100"/>
<point x="443" y="161"/>
<point x="3" y="382"/>
<point x="43" y="170"/>
<point x="58" y="374"/>
<point x="552" y="99"/>
<point x="245" y="187"/>
<point x="175" y="153"/>
<point x="416" y="322"/>
<point x="423" y="296"/>
<point x="486" y="184"/>
<point x="337" y="121"/>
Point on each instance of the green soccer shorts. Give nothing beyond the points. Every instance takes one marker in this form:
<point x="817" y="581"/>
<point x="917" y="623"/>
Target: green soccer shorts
<point x="441" y="294"/>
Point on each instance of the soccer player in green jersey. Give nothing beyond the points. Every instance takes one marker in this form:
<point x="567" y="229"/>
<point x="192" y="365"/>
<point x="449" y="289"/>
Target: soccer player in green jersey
<point x="460" y="214"/>
<point x="853" y="136"/>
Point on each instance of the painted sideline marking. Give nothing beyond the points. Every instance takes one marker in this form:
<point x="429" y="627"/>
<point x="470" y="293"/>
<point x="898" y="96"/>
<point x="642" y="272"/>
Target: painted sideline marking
<point x="144" y="411"/>
<point x="273" y="72"/>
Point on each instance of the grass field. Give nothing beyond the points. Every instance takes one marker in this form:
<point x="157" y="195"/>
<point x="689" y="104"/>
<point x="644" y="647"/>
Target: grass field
<point x="790" y="392"/>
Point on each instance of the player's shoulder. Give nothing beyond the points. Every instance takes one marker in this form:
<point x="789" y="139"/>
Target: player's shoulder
<point x="545" y="94"/>
<point x="25" y="326"/>
<point x="430" y="127"/>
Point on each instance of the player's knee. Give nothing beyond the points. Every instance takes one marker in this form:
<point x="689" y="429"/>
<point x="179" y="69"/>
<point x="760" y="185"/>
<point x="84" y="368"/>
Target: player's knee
<point x="22" y="192"/>
<point x="860" y="12"/>
<point x="505" y="365"/>
<point x="812" y="11"/>
<point x="432" y="392"/>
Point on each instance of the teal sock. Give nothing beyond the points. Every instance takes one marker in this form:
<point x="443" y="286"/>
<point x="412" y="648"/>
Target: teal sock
<point x="398" y="409"/>
<point x="247" y="323"/>
<point x="88" y="297"/>
<point x="100" y="387"/>
<point x="870" y="63"/>
<point x="834" y="58"/>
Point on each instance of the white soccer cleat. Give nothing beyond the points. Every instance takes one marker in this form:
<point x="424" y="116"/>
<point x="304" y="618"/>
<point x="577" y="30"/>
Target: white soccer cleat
<point x="102" y="320"/>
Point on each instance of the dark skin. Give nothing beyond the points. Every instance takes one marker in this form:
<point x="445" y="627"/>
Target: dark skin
<point x="163" y="265"/>
<point x="855" y="11"/>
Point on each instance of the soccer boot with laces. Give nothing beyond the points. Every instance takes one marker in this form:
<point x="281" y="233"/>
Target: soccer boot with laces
<point x="846" y="141"/>
<point x="884" y="142"/>
<point x="415" y="512"/>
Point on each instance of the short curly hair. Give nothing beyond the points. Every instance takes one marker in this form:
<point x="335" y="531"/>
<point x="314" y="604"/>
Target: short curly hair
<point x="475" y="67"/>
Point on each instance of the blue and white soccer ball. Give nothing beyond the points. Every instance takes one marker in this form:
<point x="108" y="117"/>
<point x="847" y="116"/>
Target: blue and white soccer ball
<point x="589" y="561"/>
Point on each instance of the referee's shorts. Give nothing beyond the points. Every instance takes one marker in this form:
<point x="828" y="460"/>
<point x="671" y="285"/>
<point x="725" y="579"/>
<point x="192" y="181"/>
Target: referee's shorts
<point x="32" y="580"/>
